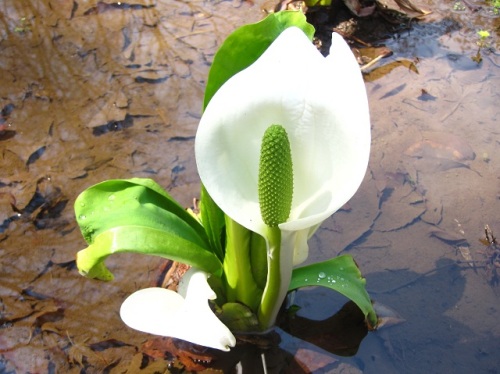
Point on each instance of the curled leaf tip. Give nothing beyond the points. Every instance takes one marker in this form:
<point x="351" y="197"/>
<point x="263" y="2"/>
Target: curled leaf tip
<point x="275" y="176"/>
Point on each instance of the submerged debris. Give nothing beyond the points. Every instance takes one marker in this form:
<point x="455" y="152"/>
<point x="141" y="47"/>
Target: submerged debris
<point x="492" y="256"/>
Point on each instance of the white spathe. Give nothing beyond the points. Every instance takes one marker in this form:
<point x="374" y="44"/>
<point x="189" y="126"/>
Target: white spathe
<point x="322" y="104"/>
<point x="185" y="314"/>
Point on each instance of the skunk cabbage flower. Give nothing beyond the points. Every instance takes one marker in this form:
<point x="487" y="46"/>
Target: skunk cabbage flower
<point x="185" y="314"/>
<point x="321" y="103"/>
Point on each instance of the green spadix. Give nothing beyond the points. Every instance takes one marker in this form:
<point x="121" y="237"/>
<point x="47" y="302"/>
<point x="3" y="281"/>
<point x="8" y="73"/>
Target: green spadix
<point x="275" y="176"/>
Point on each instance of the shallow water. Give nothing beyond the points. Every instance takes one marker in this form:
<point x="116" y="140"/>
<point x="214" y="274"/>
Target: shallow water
<point x="97" y="90"/>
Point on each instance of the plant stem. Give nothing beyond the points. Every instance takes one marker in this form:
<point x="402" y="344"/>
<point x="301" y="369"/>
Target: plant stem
<point x="268" y="309"/>
<point x="240" y="284"/>
<point x="258" y="258"/>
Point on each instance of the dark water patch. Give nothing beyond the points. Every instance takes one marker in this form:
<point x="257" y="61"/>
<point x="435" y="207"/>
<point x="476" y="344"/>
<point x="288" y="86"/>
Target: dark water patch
<point x="5" y="367"/>
<point x="394" y="91"/>
<point x="180" y="138"/>
<point x="6" y="222"/>
<point x="426" y="96"/>
<point x="47" y="216"/>
<point x="30" y="292"/>
<point x="107" y="344"/>
<point x="6" y="112"/>
<point x="35" y="155"/>
<point x="7" y="134"/>
<point x="152" y="80"/>
<point x="113" y="126"/>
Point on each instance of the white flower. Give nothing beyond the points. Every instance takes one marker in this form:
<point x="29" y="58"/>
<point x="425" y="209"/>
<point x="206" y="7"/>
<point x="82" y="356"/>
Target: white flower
<point x="185" y="314"/>
<point x="322" y="104"/>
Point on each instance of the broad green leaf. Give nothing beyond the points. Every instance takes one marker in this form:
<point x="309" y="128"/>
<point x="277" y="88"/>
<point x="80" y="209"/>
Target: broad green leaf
<point x="340" y="274"/>
<point x="144" y="240"/>
<point x="130" y="202"/>
<point x="212" y="218"/>
<point x="137" y="215"/>
<point x="245" y="45"/>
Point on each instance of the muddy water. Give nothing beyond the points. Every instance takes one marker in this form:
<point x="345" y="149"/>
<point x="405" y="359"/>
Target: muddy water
<point x="95" y="90"/>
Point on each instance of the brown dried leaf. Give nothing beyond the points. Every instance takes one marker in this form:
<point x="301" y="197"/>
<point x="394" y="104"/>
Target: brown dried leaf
<point x="141" y="364"/>
<point x="80" y="352"/>
<point x="384" y="70"/>
<point x="184" y="351"/>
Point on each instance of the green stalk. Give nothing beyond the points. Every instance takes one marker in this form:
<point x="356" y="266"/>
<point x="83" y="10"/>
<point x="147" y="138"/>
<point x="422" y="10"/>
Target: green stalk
<point x="240" y="284"/>
<point x="268" y="308"/>
<point x="258" y="258"/>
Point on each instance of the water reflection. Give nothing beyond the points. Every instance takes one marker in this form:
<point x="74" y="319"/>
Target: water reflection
<point x="91" y="90"/>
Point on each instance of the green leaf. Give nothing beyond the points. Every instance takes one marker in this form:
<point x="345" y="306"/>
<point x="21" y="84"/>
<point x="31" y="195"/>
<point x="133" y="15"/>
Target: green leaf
<point x="137" y="215"/>
<point x="144" y="240"/>
<point x="238" y="317"/>
<point x="129" y="202"/>
<point x="212" y="218"/>
<point x="245" y="45"/>
<point x="340" y="274"/>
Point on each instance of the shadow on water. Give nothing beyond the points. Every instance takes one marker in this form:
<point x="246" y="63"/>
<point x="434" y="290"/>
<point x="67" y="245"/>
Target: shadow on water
<point x="93" y="90"/>
<point x="423" y="341"/>
<point x="417" y="341"/>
